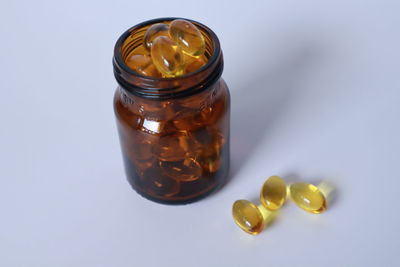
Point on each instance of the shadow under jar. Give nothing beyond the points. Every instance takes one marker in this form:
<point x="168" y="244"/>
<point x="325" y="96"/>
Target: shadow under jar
<point x="174" y="132"/>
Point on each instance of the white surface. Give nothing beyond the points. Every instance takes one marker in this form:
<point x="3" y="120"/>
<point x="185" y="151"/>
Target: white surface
<point x="315" y="90"/>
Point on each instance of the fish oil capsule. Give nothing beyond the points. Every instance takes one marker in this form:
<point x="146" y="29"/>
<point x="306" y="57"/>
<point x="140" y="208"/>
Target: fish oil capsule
<point x="186" y="170"/>
<point x="187" y="36"/>
<point x="211" y="143"/>
<point x="157" y="110"/>
<point x="308" y="197"/>
<point x="143" y="150"/>
<point x="174" y="147"/>
<point x="273" y="193"/>
<point x="155" y="30"/>
<point x="248" y="217"/>
<point x="140" y="153"/>
<point x="211" y="140"/>
<point x="167" y="56"/>
<point x="210" y="163"/>
<point x="143" y="65"/>
<point x="141" y="166"/>
<point x="214" y="114"/>
<point x="157" y="184"/>
<point x="190" y="123"/>
<point x="192" y="63"/>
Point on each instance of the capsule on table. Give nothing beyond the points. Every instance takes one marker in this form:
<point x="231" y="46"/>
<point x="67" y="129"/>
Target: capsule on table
<point x="143" y="65"/>
<point x="248" y="217"/>
<point x="273" y="193"/>
<point x="308" y="197"/>
<point x="167" y="56"/>
<point x="187" y="36"/>
<point x="155" y="30"/>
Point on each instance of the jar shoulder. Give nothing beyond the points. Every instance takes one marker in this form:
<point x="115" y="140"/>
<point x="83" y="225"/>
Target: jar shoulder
<point x="160" y="117"/>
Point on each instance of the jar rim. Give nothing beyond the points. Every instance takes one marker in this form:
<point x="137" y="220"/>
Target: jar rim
<point x="121" y="69"/>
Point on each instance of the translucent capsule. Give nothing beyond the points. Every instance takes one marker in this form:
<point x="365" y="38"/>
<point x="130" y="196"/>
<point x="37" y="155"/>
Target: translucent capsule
<point x="156" y="110"/>
<point x="273" y="193"/>
<point x="141" y="166"/>
<point x="174" y="147"/>
<point x="192" y="63"/>
<point x="214" y="113"/>
<point x="308" y="197"/>
<point x="143" y="65"/>
<point x="142" y="150"/>
<point x="190" y="122"/>
<point x="137" y="150"/>
<point x="186" y="170"/>
<point x="159" y="185"/>
<point x="187" y="36"/>
<point x="155" y="30"/>
<point x="211" y="141"/>
<point x="194" y="120"/>
<point x="210" y="163"/>
<point x="248" y="217"/>
<point x="167" y="56"/>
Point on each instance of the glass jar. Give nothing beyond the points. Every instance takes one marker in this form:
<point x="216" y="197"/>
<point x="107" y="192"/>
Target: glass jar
<point x="174" y="132"/>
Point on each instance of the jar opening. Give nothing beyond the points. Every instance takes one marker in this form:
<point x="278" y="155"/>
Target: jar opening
<point x="162" y="88"/>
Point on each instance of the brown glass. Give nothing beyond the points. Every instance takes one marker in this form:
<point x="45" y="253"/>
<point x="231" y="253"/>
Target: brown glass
<point x="174" y="132"/>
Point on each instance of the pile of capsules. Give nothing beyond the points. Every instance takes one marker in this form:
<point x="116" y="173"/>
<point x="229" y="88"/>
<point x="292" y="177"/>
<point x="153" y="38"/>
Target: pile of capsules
<point x="252" y="219"/>
<point x="176" y="163"/>
<point x="169" y="50"/>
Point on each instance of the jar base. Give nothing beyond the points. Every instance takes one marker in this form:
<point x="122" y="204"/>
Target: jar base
<point x="178" y="202"/>
<point x="192" y="191"/>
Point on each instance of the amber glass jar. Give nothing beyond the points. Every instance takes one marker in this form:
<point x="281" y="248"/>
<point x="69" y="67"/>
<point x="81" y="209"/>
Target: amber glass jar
<point x="174" y="132"/>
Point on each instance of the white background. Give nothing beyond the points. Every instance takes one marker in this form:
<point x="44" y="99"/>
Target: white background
<point x="315" y="97"/>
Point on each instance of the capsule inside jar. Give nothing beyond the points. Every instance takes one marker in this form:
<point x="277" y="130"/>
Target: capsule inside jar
<point x="176" y="48"/>
<point x="182" y="153"/>
<point x="155" y="30"/>
<point x="187" y="36"/>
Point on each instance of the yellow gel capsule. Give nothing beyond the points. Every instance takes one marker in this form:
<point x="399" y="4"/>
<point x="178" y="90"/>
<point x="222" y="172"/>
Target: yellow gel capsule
<point x="155" y="30"/>
<point x="194" y="63"/>
<point x="308" y="197"/>
<point x="167" y="56"/>
<point x="142" y="64"/>
<point x="187" y="36"/>
<point x="248" y="217"/>
<point x="273" y="193"/>
<point x="186" y="170"/>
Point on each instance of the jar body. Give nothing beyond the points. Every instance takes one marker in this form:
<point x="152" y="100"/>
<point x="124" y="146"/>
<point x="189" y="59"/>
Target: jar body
<point x="175" y="150"/>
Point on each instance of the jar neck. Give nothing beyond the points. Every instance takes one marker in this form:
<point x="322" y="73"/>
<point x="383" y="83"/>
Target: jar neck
<point x="165" y="88"/>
